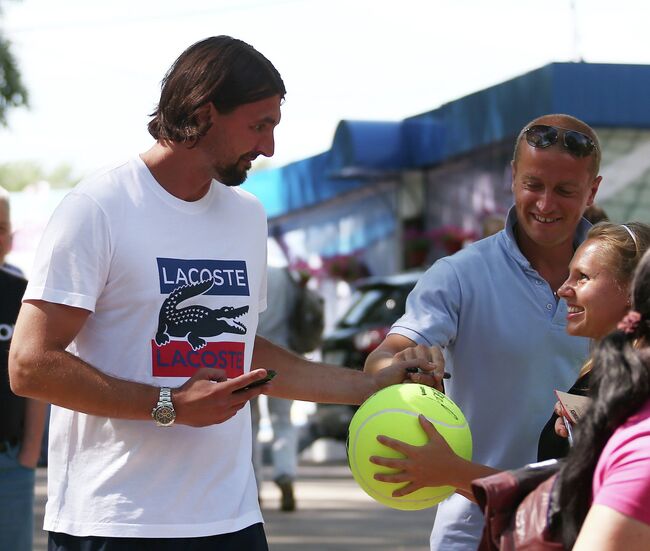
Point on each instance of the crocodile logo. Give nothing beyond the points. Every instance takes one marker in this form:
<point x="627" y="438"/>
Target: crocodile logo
<point x="195" y="322"/>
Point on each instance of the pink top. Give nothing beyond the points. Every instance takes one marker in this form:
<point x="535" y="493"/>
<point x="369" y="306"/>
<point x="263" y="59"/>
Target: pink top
<point x="622" y="476"/>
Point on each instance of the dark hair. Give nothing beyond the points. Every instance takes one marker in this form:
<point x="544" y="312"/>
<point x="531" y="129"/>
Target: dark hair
<point x="594" y="214"/>
<point x="620" y="385"/>
<point x="567" y="122"/>
<point x="221" y="70"/>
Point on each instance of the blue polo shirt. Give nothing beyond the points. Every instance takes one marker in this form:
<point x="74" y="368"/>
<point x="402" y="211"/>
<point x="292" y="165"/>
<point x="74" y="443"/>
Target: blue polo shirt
<point x="506" y="348"/>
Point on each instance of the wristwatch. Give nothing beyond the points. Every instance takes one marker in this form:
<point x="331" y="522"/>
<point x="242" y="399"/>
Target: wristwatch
<point x="163" y="414"/>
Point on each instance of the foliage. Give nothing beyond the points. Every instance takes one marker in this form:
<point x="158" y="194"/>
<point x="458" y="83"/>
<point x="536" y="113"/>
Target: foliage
<point x="416" y="240"/>
<point x="303" y="271"/>
<point x="18" y="175"/>
<point x="348" y="267"/>
<point x="451" y="238"/>
<point x="12" y="91"/>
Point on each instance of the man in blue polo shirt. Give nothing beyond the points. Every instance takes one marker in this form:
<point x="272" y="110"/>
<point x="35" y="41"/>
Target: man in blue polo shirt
<point x="493" y="311"/>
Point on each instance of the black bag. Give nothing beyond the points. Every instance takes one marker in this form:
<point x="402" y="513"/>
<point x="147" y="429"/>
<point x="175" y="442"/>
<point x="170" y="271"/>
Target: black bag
<point x="520" y="508"/>
<point x="306" y="319"/>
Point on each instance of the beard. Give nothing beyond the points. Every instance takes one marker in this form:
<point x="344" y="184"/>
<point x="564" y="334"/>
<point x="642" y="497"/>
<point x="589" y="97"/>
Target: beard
<point x="233" y="175"/>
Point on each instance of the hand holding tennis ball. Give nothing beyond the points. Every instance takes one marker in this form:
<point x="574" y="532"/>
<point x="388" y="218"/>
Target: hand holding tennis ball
<point x="430" y="465"/>
<point x="402" y="479"/>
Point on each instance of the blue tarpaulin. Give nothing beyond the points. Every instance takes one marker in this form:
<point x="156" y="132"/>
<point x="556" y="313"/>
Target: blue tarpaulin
<point x="298" y="185"/>
<point x="603" y="95"/>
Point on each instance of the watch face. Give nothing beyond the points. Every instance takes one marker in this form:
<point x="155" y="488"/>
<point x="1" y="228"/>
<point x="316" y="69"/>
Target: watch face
<point x="165" y="415"/>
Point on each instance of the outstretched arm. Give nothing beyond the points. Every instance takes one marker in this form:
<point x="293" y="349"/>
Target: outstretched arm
<point x="301" y="379"/>
<point x="399" y="348"/>
<point x="41" y="368"/>
<point x="382" y="356"/>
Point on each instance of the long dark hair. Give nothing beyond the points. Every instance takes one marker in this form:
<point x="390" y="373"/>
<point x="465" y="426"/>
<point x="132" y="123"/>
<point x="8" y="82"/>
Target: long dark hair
<point x="221" y="70"/>
<point x="620" y="385"/>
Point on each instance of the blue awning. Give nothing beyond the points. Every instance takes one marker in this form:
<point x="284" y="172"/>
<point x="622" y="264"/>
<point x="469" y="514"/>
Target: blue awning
<point x="603" y="95"/>
<point x="373" y="148"/>
<point x="298" y="185"/>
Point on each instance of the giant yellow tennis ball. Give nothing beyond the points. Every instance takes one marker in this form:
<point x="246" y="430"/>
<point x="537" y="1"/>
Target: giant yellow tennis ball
<point x="394" y="412"/>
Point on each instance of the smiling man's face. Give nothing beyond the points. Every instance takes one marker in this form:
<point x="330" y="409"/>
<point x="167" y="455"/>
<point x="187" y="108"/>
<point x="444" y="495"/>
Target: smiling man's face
<point x="552" y="189"/>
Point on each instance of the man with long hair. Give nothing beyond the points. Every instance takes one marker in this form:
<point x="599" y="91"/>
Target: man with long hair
<point x="139" y="325"/>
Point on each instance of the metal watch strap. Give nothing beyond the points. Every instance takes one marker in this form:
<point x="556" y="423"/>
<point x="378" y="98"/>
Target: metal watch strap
<point x="165" y="397"/>
<point x="164" y="414"/>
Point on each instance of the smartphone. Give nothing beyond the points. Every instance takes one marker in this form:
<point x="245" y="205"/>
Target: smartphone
<point x="270" y="373"/>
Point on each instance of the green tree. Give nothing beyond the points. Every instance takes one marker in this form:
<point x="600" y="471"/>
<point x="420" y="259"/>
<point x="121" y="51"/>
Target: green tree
<point x="12" y="91"/>
<point x="18" y="175"/>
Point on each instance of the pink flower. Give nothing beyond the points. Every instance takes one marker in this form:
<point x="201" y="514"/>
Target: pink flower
<point x="630" y="322"/>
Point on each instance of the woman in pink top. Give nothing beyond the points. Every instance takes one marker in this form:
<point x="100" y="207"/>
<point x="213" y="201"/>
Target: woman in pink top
<point x="605" y="483"/>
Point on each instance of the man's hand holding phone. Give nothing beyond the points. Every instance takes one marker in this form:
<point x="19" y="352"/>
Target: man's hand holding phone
<point x="210" y="397"/>
<point x="270" y="373"/>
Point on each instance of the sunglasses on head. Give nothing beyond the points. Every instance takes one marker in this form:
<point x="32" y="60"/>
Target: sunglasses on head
<point x="544" y="135"/>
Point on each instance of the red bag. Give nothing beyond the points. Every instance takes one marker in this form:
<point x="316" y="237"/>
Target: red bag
<point x="520" y="508"/>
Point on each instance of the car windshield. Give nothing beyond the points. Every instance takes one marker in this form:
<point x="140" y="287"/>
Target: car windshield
<point x="380" y="305"/>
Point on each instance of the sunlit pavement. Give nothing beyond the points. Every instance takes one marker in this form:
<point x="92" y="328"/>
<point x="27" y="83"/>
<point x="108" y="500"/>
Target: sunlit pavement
<point x="333" y="514"/>
<point x="40" y="538"/>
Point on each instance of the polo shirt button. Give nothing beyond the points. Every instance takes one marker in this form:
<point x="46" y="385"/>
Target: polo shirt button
<point x="549" y="306"/>
<point x="539" y="282"/>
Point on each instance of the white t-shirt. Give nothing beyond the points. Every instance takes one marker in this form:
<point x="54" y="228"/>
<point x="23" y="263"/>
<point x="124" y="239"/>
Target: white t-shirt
<point x="138" y="258"/>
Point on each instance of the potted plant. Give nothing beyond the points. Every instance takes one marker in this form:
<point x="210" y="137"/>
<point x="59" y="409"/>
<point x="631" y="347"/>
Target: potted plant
<point x="451" y="238"/>
<point x="416" y="247"/>
<point x="347" y="267"/>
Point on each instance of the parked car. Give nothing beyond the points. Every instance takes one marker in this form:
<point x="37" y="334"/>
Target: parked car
<point x="377" y="302"/>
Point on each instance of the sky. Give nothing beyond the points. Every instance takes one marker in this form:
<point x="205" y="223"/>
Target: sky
<point x="93" y="69"/>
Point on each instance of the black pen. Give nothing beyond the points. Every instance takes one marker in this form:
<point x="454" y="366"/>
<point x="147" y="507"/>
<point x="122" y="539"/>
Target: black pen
<point x="418" y="370"/>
